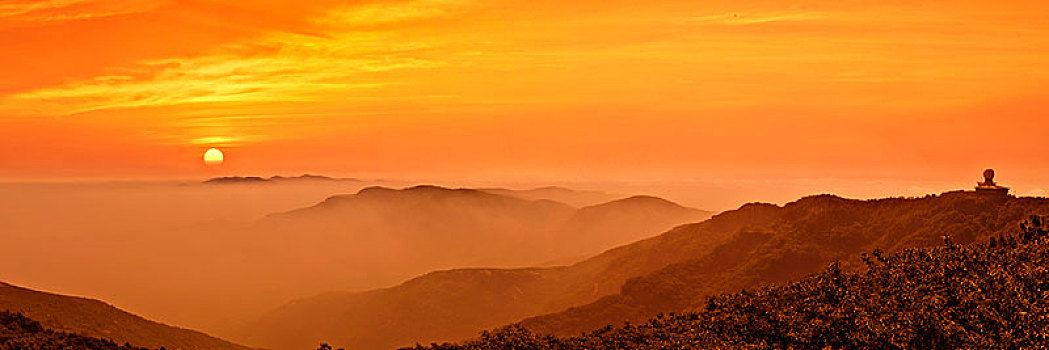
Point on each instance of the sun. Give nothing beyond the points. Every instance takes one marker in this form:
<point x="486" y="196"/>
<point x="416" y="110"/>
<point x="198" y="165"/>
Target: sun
<point x="213" y="157"/>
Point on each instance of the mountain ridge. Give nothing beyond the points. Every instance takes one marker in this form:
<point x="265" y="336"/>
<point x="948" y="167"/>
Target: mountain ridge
<point x="808" y="234"/>
<point x="228" y="180"/>
<point x="96" y="318"/>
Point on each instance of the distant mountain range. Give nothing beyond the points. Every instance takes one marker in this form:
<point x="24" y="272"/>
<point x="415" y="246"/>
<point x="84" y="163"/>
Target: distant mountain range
<point x="456" y="304"/>
<point x="753" y="246"/>
<point x="272" y="179"/>
<point x="93" y="318"/>
<point x="379" y="237"/>
<point x="489" y="228"/>
<point x="436" y="226"/>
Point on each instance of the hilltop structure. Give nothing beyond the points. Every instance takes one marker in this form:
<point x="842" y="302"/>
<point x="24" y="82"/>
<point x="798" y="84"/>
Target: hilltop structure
<point x="988" y="186"/>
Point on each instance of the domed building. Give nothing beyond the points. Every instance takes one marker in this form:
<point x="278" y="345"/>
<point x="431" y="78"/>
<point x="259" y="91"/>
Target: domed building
<point x="988" y="186"/>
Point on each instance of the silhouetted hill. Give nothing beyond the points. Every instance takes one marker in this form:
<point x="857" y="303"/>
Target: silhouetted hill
<point x="805" y="236"/>
<point x="438" y="226"/>
<point x="984" y="296"/>
<point x="18" y="332"/>
<point x="97" y="319"/>
<point x="272" y="179"/>
<point x="576" y="198"/>
<point x="616" y="223"/>
<point x="455" y="304"/>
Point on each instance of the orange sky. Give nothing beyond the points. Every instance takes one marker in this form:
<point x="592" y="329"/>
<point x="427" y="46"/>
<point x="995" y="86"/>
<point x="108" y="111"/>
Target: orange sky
<point x="524" y="89"/>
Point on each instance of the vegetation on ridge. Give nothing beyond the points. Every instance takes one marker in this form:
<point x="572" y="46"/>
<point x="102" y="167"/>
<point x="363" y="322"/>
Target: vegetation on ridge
<point x="18" y="332"/>
<point x="993" y="295"/>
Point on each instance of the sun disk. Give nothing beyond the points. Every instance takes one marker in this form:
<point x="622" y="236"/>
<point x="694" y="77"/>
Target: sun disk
<point x="213" y="157"/>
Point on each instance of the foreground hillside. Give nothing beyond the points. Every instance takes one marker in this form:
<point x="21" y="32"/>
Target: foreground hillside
<point x="94" y="318"/>
<point x="984" y="296"/>
<point x="18" y="332"/>
<point x="804" y="237"/>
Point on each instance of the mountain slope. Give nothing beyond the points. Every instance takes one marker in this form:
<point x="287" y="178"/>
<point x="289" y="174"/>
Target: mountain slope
<point x="808" y="234"/>
<point x="455" y="304"/>
<point x="97" y="319"/>
<point x="949" y="297"/>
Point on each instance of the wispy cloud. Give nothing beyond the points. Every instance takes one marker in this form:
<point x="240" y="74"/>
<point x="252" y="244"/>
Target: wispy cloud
<point x="277" y="66"/>
<point x="459" y="57"/>
<point x="750" y="18"/>
<point x="380" y="13"/>
<point x="49" y="11"/>
<point x="862" y="77"/>
<point x="15" y="8"/>
<point x="291" y="68"/>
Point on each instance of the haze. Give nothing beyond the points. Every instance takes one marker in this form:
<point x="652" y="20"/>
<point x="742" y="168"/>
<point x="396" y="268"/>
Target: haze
<point x="472" y="134"/>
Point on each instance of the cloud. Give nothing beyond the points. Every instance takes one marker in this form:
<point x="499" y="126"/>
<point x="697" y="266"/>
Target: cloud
<point x="287" y="67"/>
<point x="278" y="65"/>
<point x="404" y="56"/>
<point x="50" y="11"/>
<point x="862" y="77"/>
<point x="16" y="8"/>
<point x="380" y="13"/>
<point x="749" y="19"/>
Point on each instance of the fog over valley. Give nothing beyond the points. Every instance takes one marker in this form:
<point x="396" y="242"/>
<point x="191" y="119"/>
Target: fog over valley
<point x="215" y="255"/>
